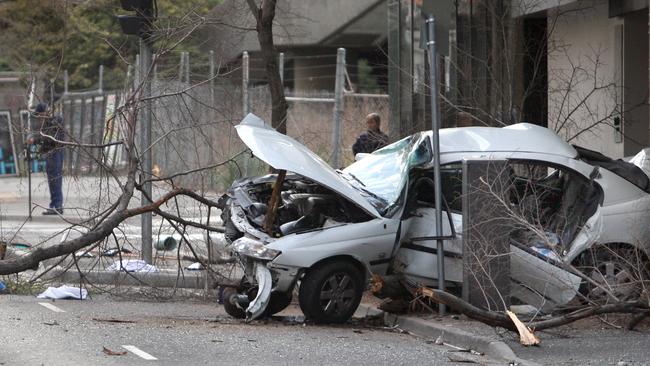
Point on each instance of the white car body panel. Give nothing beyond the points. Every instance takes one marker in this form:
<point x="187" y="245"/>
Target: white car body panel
<point x="282" y="152"/>
<point x="621" y="218"/>
<point x="422" y="266"/>
<point x="540" y="283"/>
<point x="369" y="242"/>
<point x="521" y="137"/>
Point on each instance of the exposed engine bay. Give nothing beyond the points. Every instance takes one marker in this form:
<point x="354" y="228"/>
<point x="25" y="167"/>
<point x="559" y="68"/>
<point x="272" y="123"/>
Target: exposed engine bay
<point x="304" y="205"/>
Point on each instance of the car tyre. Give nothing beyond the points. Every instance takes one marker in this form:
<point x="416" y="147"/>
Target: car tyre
<point x="231" y="306"/>
<point x="278" y="302"/>
<point x="331" y="293"/>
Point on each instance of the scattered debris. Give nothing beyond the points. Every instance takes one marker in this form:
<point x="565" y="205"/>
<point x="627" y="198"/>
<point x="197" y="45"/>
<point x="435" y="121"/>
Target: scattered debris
<point x="112" y="252"/>
<point x="52" y="323"/>
<point x="132" y="265"/>
<point x="113" y="320"/>
<point x="358" y="331"/>
<point x="394" y="306"/>
<point x="196" y="266"/>
<point x="64" y="292"/>
<point x="524" y="310"/>
<point x="113" y="353"/>
<point x="461" y="349"/>
<point x="3" y="288"/>
<point x="526" y="335"/>
<point x="84" y="254"/>
<point x="455" y="357"/>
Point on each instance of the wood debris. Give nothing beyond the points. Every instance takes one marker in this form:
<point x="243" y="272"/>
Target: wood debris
<point x="526" y="335"/>
<point x="113" y="353"/>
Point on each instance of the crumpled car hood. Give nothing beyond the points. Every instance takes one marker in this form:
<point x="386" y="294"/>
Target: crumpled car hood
<point x="283" y="152"/>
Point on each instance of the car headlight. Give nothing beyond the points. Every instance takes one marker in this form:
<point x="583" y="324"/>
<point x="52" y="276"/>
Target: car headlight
<point x="254" y="248"/>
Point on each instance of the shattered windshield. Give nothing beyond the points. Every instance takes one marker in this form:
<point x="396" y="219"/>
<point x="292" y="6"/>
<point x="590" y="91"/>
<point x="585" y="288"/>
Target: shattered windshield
<point x="381" y="175"/>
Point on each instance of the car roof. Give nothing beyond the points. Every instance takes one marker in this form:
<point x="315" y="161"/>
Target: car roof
<point x="520" y="137"/>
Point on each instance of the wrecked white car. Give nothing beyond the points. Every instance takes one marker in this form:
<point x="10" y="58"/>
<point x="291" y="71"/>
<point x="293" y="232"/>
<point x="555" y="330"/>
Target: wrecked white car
<point x="329" y="230"/>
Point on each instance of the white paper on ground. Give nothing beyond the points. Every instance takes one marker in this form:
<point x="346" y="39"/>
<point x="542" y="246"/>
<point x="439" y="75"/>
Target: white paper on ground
<point x="132" y="265"/>
<point x="196" y="266"/>
<point x="64" y="292"/>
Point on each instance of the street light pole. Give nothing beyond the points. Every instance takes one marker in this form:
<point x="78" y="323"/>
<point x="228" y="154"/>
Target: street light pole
<point x="145" y="146"/>
<point x="140" y="24"/>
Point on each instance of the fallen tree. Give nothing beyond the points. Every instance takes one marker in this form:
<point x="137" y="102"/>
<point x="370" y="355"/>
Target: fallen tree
<point x="499" y="319"/>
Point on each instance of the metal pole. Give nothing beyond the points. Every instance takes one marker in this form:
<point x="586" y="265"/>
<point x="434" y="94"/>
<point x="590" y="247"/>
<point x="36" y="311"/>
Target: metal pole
<point x="66" y="80"/>
<point x="181" y="68"/>
<point x="52" y="94"/>
<point x="338" y="107"/>
<point x="28" y="154"/>
<point x="137" y="69"/>
<point x="281" y="67"/>
<point x="244" y="83"/>
<point x="145" y="144"/>
<point x="212" y="78"/>
<point x="155" y="74"/>
<point x="435" y="126"/>
<point x="101" y="78"/>
<point x="187" y="67"/>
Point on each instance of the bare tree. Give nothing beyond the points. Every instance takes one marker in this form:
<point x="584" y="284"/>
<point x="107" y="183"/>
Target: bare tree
<point x="264" y="15"/>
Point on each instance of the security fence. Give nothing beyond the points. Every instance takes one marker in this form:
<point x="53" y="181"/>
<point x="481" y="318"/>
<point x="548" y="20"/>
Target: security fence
<point x="193" y="124"/>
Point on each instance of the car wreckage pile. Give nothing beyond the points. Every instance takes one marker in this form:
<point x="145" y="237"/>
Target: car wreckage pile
<point x="577" y="220"/>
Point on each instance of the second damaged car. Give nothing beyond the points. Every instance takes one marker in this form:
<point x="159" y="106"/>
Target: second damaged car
<point x="326" y="231"/>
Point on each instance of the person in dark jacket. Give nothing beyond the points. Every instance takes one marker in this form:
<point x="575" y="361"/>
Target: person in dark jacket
<point x="372" y="139"/>
<point x="47" y="134"/>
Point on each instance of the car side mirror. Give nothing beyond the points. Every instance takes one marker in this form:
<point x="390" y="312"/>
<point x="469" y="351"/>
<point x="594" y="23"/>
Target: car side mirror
<point x="360" y="156"/>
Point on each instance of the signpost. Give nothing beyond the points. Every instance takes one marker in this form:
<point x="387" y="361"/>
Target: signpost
<point x="428" y="41"/>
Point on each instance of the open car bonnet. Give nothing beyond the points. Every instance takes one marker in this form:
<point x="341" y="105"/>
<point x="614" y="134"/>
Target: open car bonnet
<point x="283" y="152"/>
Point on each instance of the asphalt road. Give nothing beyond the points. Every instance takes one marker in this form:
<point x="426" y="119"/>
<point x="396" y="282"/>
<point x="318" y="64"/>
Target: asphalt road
<point x="588" y="343"/>
<point x="69" y="332"/>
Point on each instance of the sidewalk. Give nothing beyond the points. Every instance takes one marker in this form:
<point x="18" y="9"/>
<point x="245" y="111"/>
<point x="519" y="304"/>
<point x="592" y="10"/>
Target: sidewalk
<point x="586" y="342"/>
<point x="80" y="195"/>
<point x="83" y="197"/>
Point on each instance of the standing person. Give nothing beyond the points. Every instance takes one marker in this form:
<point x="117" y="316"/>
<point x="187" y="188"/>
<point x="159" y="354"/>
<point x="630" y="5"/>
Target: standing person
<point x="49" y="131"/>
<point x="372" y="139"/>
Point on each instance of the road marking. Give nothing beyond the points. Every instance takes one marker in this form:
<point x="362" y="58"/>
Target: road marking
<point x="52" y="307"/>
<point x="138" y="352"/>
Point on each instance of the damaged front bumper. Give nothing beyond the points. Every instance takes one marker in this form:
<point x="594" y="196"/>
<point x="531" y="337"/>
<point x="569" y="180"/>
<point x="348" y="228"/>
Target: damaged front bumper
<point x="264" y="286"/>
<point x="255" y="259"/>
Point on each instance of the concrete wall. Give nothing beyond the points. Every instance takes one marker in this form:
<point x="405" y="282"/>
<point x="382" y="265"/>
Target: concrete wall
<point x="582" y="56"/>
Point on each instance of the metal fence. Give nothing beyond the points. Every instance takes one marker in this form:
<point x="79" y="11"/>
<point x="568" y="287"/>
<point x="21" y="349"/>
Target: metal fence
<point x="194" y="128"/>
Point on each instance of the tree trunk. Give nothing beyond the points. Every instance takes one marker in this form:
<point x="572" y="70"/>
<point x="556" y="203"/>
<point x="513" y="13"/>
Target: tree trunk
<point x="264" y="15"/>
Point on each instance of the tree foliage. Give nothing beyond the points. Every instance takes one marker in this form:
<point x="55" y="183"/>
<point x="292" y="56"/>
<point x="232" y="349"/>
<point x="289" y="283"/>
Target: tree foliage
<point x="47" y="37"/>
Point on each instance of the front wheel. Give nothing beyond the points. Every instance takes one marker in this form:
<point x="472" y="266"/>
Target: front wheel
<point x="278" y="301"/>
<point x="230" y="303"/>
<point x="331" y="293"/>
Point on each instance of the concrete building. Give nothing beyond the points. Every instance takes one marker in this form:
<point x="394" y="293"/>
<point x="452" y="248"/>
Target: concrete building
<point x="604" y="44"/>
<point x="308" y="33"/>
<point x="579" y="67"/>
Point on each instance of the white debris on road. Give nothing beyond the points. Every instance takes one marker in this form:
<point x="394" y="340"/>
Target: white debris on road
<point x="64" y="292"/>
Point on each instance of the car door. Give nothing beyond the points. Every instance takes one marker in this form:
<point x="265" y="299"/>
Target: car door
<point x="417" y="255"/>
